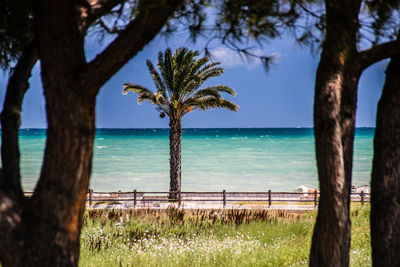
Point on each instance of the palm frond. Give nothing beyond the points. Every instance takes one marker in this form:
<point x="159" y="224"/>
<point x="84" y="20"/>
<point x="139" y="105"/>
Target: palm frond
<point x="192" y="80"/>
<point x="169" y="71"/>
<point x="209" y="73"/>
<point x="197" y="80"/>
<point x="157" y="79"/>
<point x="135" y="88"/>
<point x="193" y="84"/>
<point x="183" y="60"/>
<point x="212" y="102"/>
<point x="149" y="97"/>
<point x="165" y="69"/>
<point x="183" y="69"/>
<point x="207" y="67"/>
<point x="181" y="56"/>
<point x="222" y="88"/>
<point x="143" y="93"/>
<point x="198" y="64"/>
<point x="207" y="92"/>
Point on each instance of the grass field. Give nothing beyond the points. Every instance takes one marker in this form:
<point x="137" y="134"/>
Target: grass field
<point x="208" y="238"/>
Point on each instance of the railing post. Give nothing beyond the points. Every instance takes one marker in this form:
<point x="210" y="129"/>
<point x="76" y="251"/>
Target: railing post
<point x="179" y="198"/>
<point x="224" y="198"/>
<point x="90" y="197"/>
<point x="362" y="198"/>
<point x="134" y="198"/>
<point x="315" y="199"/>
<point x="269" y="199"/>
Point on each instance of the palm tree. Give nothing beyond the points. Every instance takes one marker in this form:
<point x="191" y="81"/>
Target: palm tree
<point x="178" y="93"/>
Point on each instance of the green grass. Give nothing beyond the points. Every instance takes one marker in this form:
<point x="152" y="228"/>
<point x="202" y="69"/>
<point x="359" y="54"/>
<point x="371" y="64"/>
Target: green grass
<point x="208" y="238"/>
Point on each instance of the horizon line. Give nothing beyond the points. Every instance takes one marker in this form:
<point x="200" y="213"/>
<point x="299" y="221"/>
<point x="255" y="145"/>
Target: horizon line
<point x="143" y="128"/>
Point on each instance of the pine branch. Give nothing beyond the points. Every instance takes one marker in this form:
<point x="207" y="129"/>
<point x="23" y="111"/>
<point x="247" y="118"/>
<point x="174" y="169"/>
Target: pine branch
<point x="378" y="53"/>
<point x="152" y="17"/>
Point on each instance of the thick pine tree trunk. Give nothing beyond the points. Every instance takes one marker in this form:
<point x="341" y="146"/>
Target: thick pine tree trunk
<point x="59" y="201"/>
<point x="334" y="126"/>
<point x="44" y="230"/>
<point x="175" y="140"/>
<point x="47" y="226"/>
<point x="385" y="182"/>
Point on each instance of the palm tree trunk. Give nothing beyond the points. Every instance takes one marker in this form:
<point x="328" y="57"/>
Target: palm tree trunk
<point x="385" y="181"/>
<point x="175" y="139"/>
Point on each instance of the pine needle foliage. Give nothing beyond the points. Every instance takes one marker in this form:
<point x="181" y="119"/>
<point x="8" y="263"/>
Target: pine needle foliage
<point x="178" y="81"/>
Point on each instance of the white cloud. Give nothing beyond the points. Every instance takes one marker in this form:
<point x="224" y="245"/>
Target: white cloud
<point x="231" y="59"/>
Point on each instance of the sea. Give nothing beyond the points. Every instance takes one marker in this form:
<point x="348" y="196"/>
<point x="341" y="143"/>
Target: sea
<point x="239" y="159"/>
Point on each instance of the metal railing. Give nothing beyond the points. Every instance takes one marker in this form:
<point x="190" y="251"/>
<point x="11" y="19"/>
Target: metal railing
<point x="140" y="198"/>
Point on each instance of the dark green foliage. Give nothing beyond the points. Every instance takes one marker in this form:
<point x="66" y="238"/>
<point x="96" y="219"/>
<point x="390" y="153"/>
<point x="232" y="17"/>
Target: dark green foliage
<point x="256" y="18"/>
<point x="240" y="21"/>
<point x="385" y="14"/>
<point x="243" y="20"/>
<point x="235" y="22"/>
<point x="15" y="29"/>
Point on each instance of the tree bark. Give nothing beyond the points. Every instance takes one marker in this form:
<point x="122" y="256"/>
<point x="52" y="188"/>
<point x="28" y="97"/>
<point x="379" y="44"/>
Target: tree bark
<point x="47" y="226"/>
<point x="44" y="230"/>
<point x="175" y="139"/>
<point x="334" y="125"/>
<point x="59" y="201"/>
<point x="11" y="119"/>
<point x="385" y="180"/>
<point x="11" y="194"/>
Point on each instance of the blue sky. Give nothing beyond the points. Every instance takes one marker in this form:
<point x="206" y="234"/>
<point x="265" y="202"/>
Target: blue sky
<point x="283" y="97"/>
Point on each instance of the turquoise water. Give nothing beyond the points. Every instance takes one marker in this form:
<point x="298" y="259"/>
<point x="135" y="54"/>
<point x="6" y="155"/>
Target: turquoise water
<point x="212" y="159"/>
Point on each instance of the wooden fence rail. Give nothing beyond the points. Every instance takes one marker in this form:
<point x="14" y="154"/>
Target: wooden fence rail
<point x="137" y="199"/>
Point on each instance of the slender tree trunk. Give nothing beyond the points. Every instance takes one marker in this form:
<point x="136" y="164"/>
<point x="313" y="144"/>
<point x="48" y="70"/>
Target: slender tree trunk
<point x="11" y="195"/>
<point x="175" y="139"/>
<point x="334" y="123"/>
<point x="385" y="182"/>
<point x="11" y="118"/>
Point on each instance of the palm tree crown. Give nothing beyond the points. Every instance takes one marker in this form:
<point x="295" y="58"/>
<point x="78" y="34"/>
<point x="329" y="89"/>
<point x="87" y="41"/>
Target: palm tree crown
<point x="178" y="86"/>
